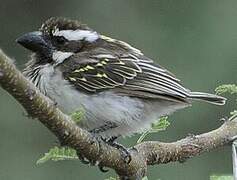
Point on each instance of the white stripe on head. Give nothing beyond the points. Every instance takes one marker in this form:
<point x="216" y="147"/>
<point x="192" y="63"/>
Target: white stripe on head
<point x="59" y="56"/>
<point x="75" y="35"/>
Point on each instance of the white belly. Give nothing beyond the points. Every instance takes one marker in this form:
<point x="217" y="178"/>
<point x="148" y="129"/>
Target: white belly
<point x="131" y="115"/>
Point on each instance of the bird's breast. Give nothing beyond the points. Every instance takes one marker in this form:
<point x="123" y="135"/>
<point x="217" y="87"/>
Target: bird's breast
<point x="129" y="114"/>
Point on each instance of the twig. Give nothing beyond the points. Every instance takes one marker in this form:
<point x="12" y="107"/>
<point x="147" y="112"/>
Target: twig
<point x="146" y="153"/>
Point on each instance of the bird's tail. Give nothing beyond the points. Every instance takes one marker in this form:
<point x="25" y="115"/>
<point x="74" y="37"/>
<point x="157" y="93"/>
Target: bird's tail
<point x="210" y="98"/>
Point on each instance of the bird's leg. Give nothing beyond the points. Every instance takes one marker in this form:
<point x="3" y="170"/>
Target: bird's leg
<point x="125" y="153"/>
<point x="110" y="141"/>
<point x="95" y="133"/>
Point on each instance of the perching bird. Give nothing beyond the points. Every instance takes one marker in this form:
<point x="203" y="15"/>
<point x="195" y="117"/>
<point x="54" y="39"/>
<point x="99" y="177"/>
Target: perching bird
<point x="120" y="89"/>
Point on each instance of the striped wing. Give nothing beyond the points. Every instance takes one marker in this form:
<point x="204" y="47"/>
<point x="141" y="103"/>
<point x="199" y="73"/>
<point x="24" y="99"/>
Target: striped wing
<point x="102" y="71"/>
<point x="131" y="73"/>
<point x="157" y="80"/>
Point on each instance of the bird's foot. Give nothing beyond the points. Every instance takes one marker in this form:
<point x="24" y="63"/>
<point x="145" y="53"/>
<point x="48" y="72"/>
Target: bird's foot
<point x="110" y="141"/>
<point x="124" y="151"/>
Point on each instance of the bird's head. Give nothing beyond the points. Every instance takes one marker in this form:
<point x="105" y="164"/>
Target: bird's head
<point x="58" y="39"/>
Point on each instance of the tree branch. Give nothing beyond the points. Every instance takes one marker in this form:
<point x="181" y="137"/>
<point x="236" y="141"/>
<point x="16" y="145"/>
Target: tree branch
<point x="147" y="153"/>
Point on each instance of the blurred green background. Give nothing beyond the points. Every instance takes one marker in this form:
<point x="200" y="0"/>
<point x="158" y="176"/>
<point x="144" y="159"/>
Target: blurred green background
<point x="196" y="40"/>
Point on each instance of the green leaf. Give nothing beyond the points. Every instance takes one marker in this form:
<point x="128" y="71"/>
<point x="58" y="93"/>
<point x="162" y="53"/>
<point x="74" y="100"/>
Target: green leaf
<point x="233" y="114"/>
<point x="58" y="154"/>
<point x="223" y="177"/>
<point x="77" y="115"/>
<point x="226" y="88"/>
<point x="159" y="125"/>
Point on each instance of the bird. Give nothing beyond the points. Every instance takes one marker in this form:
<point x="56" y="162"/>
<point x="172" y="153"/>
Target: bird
<point x="121" y="91"/>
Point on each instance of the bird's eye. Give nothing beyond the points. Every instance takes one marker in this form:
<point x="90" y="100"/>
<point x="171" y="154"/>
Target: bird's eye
<point x="61" y="40"/>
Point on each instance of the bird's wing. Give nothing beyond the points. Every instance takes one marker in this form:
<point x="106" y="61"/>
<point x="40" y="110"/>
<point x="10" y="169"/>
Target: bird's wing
<point x="96" y="72"/>
<point x="156" y="80"/>
<point x="127" y="73"/>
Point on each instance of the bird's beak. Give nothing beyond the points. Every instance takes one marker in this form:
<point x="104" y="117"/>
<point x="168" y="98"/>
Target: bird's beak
<point x="35" y="42"/>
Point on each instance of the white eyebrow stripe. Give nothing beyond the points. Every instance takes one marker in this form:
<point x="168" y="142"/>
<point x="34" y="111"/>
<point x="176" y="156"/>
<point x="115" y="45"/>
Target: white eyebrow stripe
<point x="76" y="35"/>
<point x="59" y="56"/>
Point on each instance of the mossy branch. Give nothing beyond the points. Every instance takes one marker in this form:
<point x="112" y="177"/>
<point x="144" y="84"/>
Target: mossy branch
<point x="146" y="153"/>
